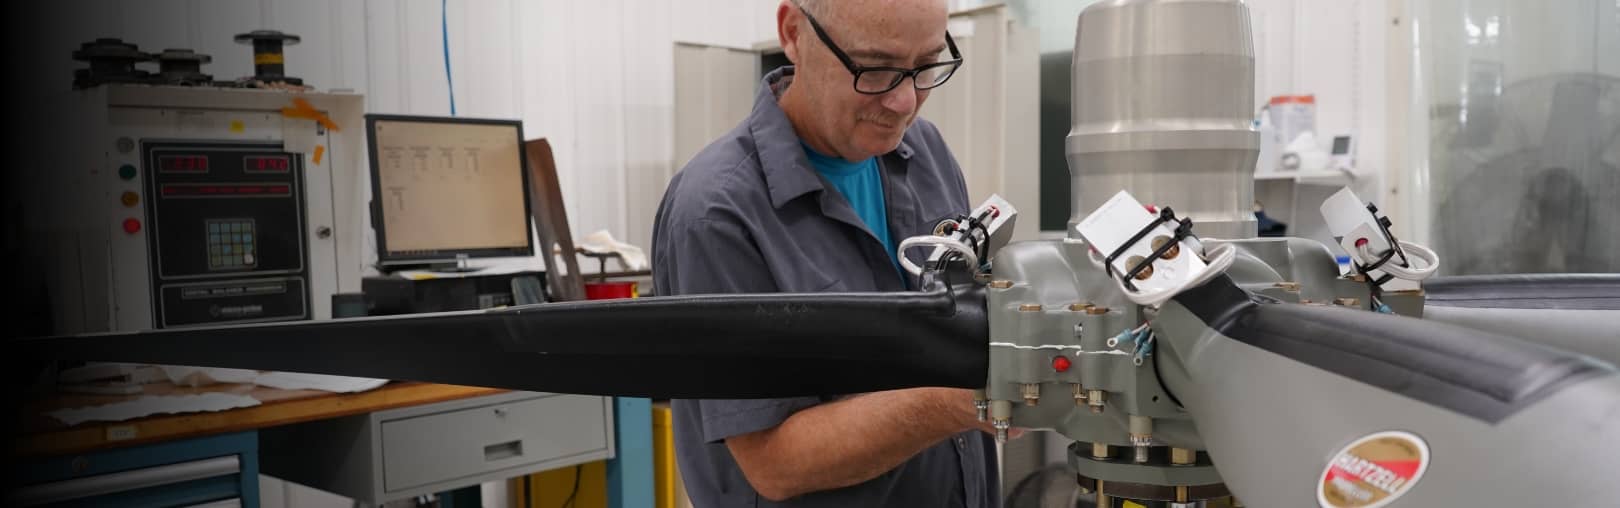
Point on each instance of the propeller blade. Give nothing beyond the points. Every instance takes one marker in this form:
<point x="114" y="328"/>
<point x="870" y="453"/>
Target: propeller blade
<point x="1526" y="291"/>
<point x="1278" y="390"/>
<point x="712" y="346"/>
<point x="1574" y="312"/>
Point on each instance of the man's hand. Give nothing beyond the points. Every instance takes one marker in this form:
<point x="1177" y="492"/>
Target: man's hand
<point x="850" y="441"/>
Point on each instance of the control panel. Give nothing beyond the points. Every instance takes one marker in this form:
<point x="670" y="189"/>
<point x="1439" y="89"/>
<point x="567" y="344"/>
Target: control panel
<point x="225" y="240"/>
<point x="173" y="206"/>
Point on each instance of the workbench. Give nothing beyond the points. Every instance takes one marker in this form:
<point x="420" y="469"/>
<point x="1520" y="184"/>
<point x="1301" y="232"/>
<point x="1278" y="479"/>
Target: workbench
<point x="192" y="458"/>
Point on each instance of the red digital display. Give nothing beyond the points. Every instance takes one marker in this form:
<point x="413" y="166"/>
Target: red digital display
<point x="183" y="164"/>
<point x="266" y="164"/>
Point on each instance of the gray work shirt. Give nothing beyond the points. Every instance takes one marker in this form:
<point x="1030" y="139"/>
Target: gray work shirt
<point x="749" y="214"/>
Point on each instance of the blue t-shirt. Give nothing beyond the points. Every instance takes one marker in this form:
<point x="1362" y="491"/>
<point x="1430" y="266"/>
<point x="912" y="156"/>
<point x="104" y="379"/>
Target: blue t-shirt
<point x="862" y="186"/>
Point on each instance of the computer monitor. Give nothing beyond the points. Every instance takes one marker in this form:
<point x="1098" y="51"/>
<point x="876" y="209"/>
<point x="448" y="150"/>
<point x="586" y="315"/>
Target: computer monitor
<point x="446" y="189"/>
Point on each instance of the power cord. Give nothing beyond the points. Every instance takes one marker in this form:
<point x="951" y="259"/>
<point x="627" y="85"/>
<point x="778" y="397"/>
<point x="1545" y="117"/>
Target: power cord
<point x="579" y="470"/>
<point x="444" y="34"/>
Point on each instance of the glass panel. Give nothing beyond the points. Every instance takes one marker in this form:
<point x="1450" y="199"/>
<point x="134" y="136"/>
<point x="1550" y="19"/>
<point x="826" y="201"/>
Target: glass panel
<point x="1521" y="102"/>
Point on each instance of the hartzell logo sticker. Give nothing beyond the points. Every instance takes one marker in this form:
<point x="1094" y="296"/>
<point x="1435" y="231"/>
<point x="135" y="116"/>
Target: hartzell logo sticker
<point x="1373" y="471"/>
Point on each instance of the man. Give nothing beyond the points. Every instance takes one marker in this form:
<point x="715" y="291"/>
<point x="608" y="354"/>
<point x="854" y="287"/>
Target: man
<point x="812" y="193"/>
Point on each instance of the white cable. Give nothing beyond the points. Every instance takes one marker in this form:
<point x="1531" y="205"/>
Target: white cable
<point x="1431" y="261"/>
<point x="968" y="255"/>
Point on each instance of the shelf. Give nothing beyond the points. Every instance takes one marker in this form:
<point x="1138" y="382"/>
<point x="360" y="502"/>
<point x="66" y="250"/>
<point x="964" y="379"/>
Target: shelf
<point x="1323" y="176"/>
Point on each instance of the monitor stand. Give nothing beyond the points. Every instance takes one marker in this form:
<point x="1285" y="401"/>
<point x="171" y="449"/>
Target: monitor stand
<point x="447" y="268"/>
<point x="459" y="266"/>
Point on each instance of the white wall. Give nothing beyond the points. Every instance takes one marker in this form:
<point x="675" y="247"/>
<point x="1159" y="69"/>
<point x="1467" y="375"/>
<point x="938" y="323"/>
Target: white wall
<point x="1335" y="51"/>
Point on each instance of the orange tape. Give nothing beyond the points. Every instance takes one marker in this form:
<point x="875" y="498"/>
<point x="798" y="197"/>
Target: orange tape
<point x="302" y="109"/>
<point x="319" y="151"/>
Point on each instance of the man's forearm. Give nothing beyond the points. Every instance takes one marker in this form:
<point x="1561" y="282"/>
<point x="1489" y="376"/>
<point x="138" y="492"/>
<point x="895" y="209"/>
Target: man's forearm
<point x="849" y="441"/>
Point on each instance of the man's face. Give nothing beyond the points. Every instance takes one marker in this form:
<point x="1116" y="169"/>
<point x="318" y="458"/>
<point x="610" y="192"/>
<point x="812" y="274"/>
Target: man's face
<point x="903" y="34"/>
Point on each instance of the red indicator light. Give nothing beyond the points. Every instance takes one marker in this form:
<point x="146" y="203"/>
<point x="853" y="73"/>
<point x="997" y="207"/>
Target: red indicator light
<point x="132" y="225"/>
<point x="1060" y="363"/>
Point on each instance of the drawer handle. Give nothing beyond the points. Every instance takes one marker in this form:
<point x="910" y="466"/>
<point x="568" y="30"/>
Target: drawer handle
<point x="502" y="451"/>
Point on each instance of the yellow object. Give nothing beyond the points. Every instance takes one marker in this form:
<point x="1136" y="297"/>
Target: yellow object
<point x="551" y="488"/>
<point x="267" y="58"/>
<point x="302" y="109"/>
<point x="319" y="151"/>
<point x="668" y="491"/>
<point x="663" y="457"/>
<point x="131" y="198"/>
<point x="1134" y="504"/>
<point x="238" y="127"/>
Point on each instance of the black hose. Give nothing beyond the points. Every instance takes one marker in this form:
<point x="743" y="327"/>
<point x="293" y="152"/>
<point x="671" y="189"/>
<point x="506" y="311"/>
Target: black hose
<point x="713" y="346"/>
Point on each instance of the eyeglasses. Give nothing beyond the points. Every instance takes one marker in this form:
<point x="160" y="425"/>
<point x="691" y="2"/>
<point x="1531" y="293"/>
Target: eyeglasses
<point x="878" y="80"/>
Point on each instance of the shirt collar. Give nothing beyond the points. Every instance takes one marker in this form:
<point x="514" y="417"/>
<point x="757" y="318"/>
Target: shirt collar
<point x="788" y="173"/>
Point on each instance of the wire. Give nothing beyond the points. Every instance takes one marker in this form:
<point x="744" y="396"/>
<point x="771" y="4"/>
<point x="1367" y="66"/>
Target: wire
<point x="444" y="33"/>
<point x="1131" y="335"/>
<point x="578" y="471"/>
<point x="1430" y="260"/>
<point x="968" y="255"/>
<point x="1144" y="348"/>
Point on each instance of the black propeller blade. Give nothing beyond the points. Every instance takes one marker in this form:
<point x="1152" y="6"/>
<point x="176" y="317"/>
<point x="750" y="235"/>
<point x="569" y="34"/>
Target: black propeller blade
<point x="1528" y="291"/>
<point x="720" y="346"/>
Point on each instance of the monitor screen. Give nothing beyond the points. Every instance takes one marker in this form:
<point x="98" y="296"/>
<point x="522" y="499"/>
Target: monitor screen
<point x="1341" y="145"/>
<point x="444" y="188"/>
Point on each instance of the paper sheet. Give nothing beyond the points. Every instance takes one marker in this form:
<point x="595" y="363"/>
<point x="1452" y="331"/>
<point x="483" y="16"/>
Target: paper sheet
<point x="147" y="406"/>
<point x="337" y="384"/>
<point x="201" y="376"/>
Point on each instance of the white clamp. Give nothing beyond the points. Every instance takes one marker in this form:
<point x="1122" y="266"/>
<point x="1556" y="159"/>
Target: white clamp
<point x="1150" y="256"/>
<point x="1365" y="235"/>
<point x="974" y="237"/>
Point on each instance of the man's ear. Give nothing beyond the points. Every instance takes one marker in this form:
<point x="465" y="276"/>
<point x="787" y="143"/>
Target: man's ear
<point x="788" y="22"/>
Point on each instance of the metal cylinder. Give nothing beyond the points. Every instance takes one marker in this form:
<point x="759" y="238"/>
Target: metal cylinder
<point x="269" y="61"/>
<point x="1141" y="428"/>
<point x="1163" y="107"/>
<point x="1001" y="418"/>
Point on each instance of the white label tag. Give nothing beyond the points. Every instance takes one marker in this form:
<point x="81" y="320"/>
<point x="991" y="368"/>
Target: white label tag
<point x="298" y="135"/>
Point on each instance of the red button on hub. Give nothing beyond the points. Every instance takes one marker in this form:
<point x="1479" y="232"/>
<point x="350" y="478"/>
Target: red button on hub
<point x="1060" y="364"/>
<point x="132" y="225"/>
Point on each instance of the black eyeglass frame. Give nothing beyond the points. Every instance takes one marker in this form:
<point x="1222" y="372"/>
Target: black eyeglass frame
<point x="856" y="70"/>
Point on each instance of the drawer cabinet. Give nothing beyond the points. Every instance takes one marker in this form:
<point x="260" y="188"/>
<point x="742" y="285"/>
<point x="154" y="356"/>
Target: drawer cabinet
<point x="401" y="453"/>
